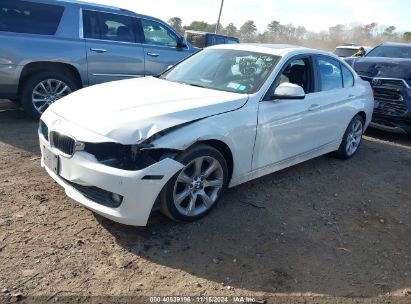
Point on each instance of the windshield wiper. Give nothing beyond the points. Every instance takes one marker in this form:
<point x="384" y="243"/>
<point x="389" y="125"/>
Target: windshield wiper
<point x="194" y="85"/>
<point x="187" y="83"/>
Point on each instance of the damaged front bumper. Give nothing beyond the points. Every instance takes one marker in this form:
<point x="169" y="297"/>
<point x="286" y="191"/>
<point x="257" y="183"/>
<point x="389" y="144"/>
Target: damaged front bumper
<point x="123" y="196"/>
<point x="390" y="125"/>
<point x="392" y="110"/>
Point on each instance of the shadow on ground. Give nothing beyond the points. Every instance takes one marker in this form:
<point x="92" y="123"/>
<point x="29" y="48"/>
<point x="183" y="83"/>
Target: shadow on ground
<point x="325" y="226"/>
<point x="17" y="129"/>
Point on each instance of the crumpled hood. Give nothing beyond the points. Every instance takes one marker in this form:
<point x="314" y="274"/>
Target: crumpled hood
<point x="130" y="111"/>
<point x="382" y="67"/>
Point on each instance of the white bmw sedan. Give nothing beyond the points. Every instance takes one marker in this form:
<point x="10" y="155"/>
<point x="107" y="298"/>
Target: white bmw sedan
<point x="222" y="117"/>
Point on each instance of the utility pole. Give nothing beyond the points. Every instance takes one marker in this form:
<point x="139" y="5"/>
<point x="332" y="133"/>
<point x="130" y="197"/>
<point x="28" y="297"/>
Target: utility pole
<point x="219" y="16"/>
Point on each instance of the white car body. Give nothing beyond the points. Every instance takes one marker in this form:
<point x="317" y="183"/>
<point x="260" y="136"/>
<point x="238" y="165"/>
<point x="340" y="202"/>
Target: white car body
<point x="176" y="116"/>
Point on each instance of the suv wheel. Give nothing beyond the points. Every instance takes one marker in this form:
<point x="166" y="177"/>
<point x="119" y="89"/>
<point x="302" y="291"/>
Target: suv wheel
<point x="42" y="89"/>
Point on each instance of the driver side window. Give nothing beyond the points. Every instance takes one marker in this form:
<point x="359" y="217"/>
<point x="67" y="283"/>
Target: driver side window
<point x="157" y="34"/>
<point x="297" y="71"/>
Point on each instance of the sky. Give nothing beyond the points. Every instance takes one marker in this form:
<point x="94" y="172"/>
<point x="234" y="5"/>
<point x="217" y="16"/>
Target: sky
<point x="315" y="15"/>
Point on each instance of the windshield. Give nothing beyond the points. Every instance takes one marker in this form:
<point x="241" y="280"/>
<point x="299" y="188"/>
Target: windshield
<point x="391" y="51"/>
<point x="341" y="52"/>
<point x="226" y="70"/>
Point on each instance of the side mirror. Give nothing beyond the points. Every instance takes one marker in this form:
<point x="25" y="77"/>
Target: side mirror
<point x="288" y="90"/>
<point x="181" y="42"/>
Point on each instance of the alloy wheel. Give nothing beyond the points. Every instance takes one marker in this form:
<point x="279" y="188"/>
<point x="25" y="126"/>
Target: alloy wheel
<point x="197" y="186"/>
<point x="47" y="92"/>
<point x="354" y="137"/>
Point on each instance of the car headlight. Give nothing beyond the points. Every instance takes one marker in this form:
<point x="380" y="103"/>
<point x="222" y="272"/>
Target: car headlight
<point x="44" y="130"/>
<point x="127" y="157"/>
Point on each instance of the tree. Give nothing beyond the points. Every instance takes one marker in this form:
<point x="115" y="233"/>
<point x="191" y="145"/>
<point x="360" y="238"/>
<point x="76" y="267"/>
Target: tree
<point x="274" y="27"/>
<point x="300" y="32"/>
<point x="407" y="37"/>
<point x="248" y="31"/>
<point x="389" y="30"/>
<point x="275" y="31"/>
<point x="200" y="26"/>
<point x="230" y="30"/>
<point x="177" y="23"/>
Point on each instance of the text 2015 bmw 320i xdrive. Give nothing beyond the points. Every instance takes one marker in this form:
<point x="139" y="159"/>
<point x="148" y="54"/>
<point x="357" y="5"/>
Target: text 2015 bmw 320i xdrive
<point x="224" y="116"/>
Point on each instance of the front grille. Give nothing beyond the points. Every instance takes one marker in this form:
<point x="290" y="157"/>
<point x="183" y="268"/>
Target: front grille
<point x="97" y="195"/>
<point x="392" y="82"/>
<point x="63" y="143"/>
<point x="388" y="96"/>
<point x="389" y="102"/>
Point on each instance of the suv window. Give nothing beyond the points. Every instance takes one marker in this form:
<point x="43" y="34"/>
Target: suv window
<point x="219" y="40"/>
<point x="29" y="17"/>
<point x="330" y="74"/>
<point x="105" y="26"/>
<point x="157" y="34"/>
<point x="232" y="41"/>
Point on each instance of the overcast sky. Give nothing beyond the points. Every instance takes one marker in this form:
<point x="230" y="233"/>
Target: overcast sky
<point x="315" y="15"/>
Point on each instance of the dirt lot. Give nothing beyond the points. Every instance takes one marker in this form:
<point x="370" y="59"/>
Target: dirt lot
<point x="341" y="230"/>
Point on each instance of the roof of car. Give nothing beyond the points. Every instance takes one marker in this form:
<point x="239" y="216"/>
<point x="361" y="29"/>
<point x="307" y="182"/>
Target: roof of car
<point x="82" y="3"/>
<point x="96" y="6"/>
<point x="348" y="47"/>
<point x="396" y="44"/>
<point x="273" y="49"/>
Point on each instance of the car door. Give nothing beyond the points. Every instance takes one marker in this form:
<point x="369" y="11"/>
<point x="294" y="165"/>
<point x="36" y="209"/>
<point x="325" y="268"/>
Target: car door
<point x="112" y="46"/>
<point x="289" y="128"/>
<point x="336" y="86"/>
<point x="161" y="46"/>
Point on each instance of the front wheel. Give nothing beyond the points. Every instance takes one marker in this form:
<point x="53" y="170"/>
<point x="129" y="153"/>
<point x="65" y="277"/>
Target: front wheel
<point x="42" y="89"/>
<point x="196" y="189"/>
<point x="352" y="138"/>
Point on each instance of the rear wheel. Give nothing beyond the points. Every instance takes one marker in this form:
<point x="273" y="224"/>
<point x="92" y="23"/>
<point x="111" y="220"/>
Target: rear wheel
<point x="42" y="89"/>
<point x="196" y="189"/>
<point x="352" y="138"/>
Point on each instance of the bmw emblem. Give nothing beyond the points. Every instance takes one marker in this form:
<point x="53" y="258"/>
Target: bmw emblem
<point x="376" y="82"/>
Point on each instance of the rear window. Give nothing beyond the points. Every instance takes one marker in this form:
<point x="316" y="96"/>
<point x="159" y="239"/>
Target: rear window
<point x="219" y="40"/>
<point x="29" y="17"/>
<point x="232" y="41"/>
<point x="342" y="52"/>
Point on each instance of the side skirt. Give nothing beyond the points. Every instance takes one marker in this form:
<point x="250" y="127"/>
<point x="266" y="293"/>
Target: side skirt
<point x="327" y="148"/>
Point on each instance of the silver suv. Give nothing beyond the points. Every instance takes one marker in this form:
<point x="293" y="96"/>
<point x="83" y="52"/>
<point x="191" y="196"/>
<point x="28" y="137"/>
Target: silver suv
<point x="50" y="48"/>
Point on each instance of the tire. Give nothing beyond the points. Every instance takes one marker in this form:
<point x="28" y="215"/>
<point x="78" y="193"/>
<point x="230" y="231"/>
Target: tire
<point x="47" y="87"/>
<point x="352" y="138"/>
<point x="191" y="193"/>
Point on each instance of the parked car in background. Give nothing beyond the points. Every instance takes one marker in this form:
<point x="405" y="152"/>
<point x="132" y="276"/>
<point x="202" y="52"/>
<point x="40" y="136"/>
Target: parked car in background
<point x="51" y="48"/>
<point x="224" y="116"/>
<point x="388" y="69"/>
<point x="344" y="51"/>
<point x="205" y="39"/>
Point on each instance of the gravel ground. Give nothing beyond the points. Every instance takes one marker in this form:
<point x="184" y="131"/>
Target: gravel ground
<point x="326" y="230"/>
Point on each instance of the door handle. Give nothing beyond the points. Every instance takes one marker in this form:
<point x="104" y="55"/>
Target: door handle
<point x="314" y="107"/>
<point x="98" y="50"/>
<point x="153" y="54"/>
